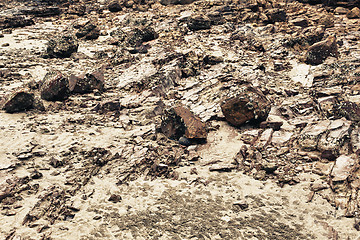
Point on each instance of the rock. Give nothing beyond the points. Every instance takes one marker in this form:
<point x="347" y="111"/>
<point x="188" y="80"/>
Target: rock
<point x="184" y="141"/>
<point x="331" y="142"/>
<point x="87" y="83"/>
<point x="310" y="135"/>
<point x="15" y="22"/>
<point x="301" y="22"/>
<point x="17" y="101"/>
<point x="349" y="110"/>
<point x="174" y="2"/>
<point x="327" y="21"/>
<point x="43" y="11"/>
<point x="249" y="104"/>
<point x="88" y="31"/>
<point x="341" y="10"/>
<point x="343" y="168"/>
<point x="114" y="6"/>
<point x="55" y="87"/>
<point x="354" y="13"/>
<point x="318" y="52"/>
<point x="62" y="46"/>
<point x="36" y="174"/>
<point x="276" y="15"/>
<point x="115" y="198"/>
<point x="198" y="22"/>
<point x="242" y="204"/>
<point x="269" y="124"/>
<point x="140" y="35"/>
<point x="222" y="168"/>
<point x="179" y="122"/>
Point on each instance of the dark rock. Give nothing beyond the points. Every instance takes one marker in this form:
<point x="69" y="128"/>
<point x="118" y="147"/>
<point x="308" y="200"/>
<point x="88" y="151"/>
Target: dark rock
<point x="184" y="141"/>
<point x="140" y="35"/>
<point x="114" y="6"/>
<point x="199" y="22"/>
<point x="14" y="22"/>
<point x="62" y="46"/>
<point x="242" y="204"/>
<point x="274" y="125"/>
<point x="354" y="13"/>
<point x="55" y="87"/>
<point x="115" y="198"/>
<point x="87" y="83"/>
<point x="56" y="162"/>
<point x="88" y="31"/>
<point x="173" y="2"/>
<point x="179" y="121"/>
<point x="212" y="60"/>
<point x="276" y="15"/>
<point x="249" y="104"/>
<point x="301" y="22"/>
<point x="222" y="168"/>
<point x="36" y="175"/>
<point x="17" y="101"/>
<point x="318" y="52"/>
<point x="349" y="110"/>
<point x="43" y="11"/>
<point x="327" y="21"/>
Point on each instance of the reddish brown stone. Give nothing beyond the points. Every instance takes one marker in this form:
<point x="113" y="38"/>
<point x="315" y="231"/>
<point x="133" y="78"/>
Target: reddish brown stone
<point x="180" y="122"/>
<point x="86" y="83"/>
<point x="249" y="104"/>
<point x="54" y="87"/>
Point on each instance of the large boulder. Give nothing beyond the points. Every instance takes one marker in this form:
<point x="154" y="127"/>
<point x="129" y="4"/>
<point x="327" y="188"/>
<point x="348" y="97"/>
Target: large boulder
<point x="62" y="46"/>
<point x="249" y="104"/>
<point x="14" y="22"/>
<point x="198" y="22"/>
<point x="318" y="52"/>
<point x="87" y="30"/>
<point x="354" y="13"/>
<point x="55" y="87"/>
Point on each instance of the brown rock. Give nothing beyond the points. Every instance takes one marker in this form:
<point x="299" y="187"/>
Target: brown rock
<point x="54" y="87"/>
<point x="17" y="101"/>
<point x="354" y="13"/>
<point x="318" y="52"/>
<point x="114" y="6"/>
<point x="249" y="104"/>
<point x="87" y="83"/>
<point x="180" y="122"/>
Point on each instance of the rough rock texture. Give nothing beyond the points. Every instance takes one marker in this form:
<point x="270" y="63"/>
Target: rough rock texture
<point x="54" y="87"/>
<point x="179" y="121"/>
<point x="87" y="82"/>
<point x="110" y="162"/>
<point x="249" y="104"/>
<point x="18" y="101"/>
<point x="62" y="46"/>
<point x="318" y="52"/>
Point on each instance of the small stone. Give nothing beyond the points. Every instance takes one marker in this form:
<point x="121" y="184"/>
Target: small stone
<point x="87" y="83"/>
<point x="276" y="15"/>
<point x="179" y="122"/>
<point x="54" y="87"/>
<point x="249" y="104"/>
<point x="36" y="175"/>
<point x="88" y="31"/>
<point x="274" y="125"/>
<point x="115" y="198"/>
<point x="354" y="13"/>
<point x="301" y="22"/>
<point x="341" y="11"/>
<point x="242" y="204"/>
<point x="198" y="22"/>
<point x="62" y="46"/>
<point x="114" y="6"/>
<point x="222" y="168"/>
<point x="318" y="52"/>
<point x="184" y="141"/>
<point x="17" y="101"/>
<point x="342" y="169"/>
<point x="174" y="2"/>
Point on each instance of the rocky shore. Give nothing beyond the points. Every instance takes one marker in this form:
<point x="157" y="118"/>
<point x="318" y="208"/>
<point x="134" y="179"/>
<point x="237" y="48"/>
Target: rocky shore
<point x="179" y="119"/>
